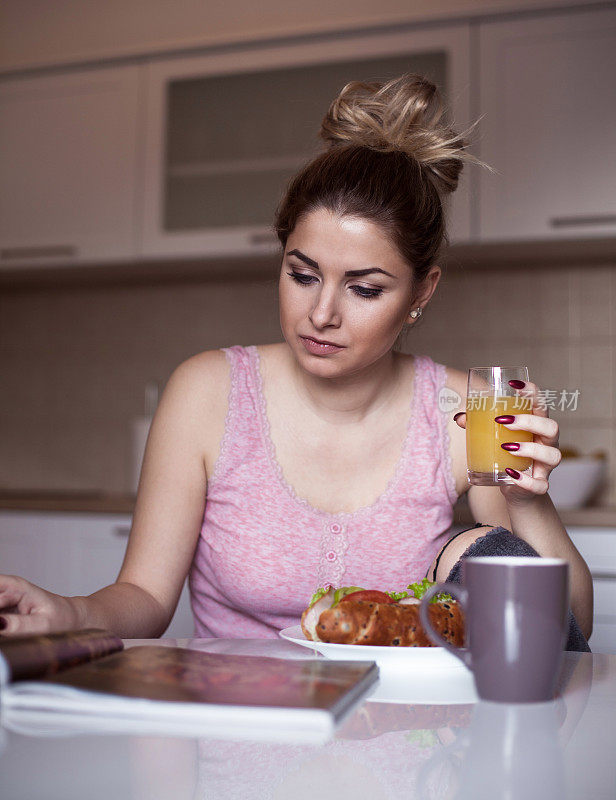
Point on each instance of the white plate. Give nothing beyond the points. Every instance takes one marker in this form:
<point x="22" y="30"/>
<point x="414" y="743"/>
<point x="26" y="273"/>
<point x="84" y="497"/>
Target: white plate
<point x="422" y="660"/>
<point x="411" y="675"/>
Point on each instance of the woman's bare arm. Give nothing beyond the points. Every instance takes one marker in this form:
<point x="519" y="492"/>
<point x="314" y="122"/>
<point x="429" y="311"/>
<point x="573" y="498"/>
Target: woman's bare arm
<point x="166" y="522"/>
<point x="533" y="519"/>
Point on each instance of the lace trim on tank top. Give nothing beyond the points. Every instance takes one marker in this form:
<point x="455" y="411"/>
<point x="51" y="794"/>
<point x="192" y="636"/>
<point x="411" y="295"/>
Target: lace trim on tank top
<point x="219" y="466"/>
<point x="333" y="544"/>
<point x="234" y="357"/>
<point x="441" y="373"/>
<point x="328" y="516"/>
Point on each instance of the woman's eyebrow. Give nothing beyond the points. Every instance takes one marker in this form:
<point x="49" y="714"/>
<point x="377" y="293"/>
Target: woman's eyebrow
<point x="304" y="258"/>
<point x="354" y="273"/>
<point x="351" y="273"/>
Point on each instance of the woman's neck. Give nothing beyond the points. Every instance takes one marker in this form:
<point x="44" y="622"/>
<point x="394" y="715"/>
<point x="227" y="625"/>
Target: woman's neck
<point x="351" y="398"/>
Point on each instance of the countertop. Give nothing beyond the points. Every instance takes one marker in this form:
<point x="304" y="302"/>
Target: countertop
<point x="105" y="503"/>
<point x="41" y="500"/>
<point x="590" y="516"/>
<point x="438" y="749"/>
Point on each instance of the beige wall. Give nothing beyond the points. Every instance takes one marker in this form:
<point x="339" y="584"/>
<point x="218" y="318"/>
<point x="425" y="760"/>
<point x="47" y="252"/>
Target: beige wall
<point x="559" y="321"/>
<point x="43" y="32"/>
<point x="75" y="361"/>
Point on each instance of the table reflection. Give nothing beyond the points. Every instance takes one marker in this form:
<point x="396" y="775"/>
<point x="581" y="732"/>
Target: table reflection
<point x="382" y="750"/>
<point x="514" y="752"/>
<point x="386" y="750"/>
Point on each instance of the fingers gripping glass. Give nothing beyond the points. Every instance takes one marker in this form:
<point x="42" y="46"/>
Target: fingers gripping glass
<point x="490" y="395"/>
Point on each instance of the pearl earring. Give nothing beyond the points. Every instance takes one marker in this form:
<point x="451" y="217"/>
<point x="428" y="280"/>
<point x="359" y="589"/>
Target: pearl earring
<point x="416" y="313"/>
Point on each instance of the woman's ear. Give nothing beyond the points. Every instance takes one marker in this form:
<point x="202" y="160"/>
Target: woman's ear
<point x="422" y="297"/>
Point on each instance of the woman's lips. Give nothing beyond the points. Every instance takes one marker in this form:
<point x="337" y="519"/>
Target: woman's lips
<point x="317" y="348"/>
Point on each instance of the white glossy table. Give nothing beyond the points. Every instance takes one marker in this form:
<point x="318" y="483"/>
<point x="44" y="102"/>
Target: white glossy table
<point x="457" y="749"/>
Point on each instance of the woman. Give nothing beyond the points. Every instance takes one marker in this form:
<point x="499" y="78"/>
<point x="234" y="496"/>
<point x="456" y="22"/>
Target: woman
<point x="323" y="459"/>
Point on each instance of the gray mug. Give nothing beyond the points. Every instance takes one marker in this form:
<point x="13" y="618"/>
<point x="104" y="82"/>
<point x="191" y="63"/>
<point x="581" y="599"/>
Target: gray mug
<point x="515" y="617"/>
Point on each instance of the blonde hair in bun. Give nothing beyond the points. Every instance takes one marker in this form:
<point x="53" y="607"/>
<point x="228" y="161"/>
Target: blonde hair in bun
<point x="406" y="115"/>
<point x="391" y="159"/>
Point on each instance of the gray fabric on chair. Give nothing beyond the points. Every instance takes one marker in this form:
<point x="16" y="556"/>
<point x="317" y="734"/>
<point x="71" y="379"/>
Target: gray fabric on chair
<point x="501" y="542"/>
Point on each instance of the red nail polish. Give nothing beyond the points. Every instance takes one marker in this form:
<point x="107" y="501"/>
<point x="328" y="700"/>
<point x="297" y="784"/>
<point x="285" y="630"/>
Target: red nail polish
<point x="459" y="414"/>
<point x="513" y="473"/>
<point x="517" y="384"/>
<point x="504" y="419"/>
<point x="511" y="446"/>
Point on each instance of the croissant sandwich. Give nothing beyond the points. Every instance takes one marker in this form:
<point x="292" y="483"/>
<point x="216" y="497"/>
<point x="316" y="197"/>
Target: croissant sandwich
<point x="352" y="615"/>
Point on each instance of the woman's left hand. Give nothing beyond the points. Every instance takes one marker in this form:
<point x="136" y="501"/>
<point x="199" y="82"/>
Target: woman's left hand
<point x="543" y="449"/>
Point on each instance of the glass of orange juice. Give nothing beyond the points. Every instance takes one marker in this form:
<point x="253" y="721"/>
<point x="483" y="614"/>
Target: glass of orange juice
<point x="490" y="395"/>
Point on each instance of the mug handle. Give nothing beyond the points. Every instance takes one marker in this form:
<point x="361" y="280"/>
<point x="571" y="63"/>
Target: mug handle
<point x="461" y="595"/>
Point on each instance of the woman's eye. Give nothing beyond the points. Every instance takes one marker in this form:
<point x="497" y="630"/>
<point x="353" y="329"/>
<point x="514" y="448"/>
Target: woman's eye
<point x="365" y="291"/>
<point x="299" y="277"/>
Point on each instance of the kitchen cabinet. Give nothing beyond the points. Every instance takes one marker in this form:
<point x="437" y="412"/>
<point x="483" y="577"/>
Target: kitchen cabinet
<point x="73" y="554"/>
<point x="547" y="99"/>
<point x="188" y="156"/>
<point x="598" y="548"/>
<point x="225" y="131"/>
<point x="69" y="163"/>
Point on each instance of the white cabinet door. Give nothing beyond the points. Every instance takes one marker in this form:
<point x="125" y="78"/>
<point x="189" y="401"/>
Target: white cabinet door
<point x="69" y="554"/>
<point x="26" y="551"/>
<point x="598" y="548"/>
<point x="68" y="159"/>
<point x="225" y="131"/>
<point x="73" y="554"/>
<point x="548" y="106"/>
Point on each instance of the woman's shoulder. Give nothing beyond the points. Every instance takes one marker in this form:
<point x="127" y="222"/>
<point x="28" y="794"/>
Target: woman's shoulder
<point x="202" y="371"/>
<point x="206" y="376"/>
<point x="198" y="393"/>
<point x="200" y="385"/>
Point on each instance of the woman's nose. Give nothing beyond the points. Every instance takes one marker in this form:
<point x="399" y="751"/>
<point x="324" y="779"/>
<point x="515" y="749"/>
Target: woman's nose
<point x="325" y="312"/>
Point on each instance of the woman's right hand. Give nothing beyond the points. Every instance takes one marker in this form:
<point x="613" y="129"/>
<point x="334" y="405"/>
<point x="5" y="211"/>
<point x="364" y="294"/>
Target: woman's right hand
<point x="28" y="609"/>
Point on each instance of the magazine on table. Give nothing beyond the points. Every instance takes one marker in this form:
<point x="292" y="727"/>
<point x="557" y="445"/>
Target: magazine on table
<point x="87" y="681"/>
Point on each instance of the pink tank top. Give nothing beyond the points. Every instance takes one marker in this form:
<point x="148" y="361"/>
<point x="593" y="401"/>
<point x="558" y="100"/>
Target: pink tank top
<point x="263" y="551"/>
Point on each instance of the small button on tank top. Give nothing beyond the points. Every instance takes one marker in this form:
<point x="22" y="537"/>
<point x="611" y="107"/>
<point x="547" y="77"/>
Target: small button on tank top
<point x="263" y="551"/>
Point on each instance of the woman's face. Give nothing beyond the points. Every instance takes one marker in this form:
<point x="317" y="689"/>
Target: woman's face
<point x="345" y="293"/>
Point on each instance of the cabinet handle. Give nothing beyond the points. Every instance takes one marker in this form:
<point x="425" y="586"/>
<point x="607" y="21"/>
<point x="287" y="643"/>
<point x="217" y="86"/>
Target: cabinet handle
<point x="49" y="251"/>
<point x="594" y="219"/>
<point x="122" y="531"/>
<point x="603" y="574"/>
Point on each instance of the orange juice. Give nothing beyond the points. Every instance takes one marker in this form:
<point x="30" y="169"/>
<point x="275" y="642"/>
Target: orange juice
<point x="484" y="436"/>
